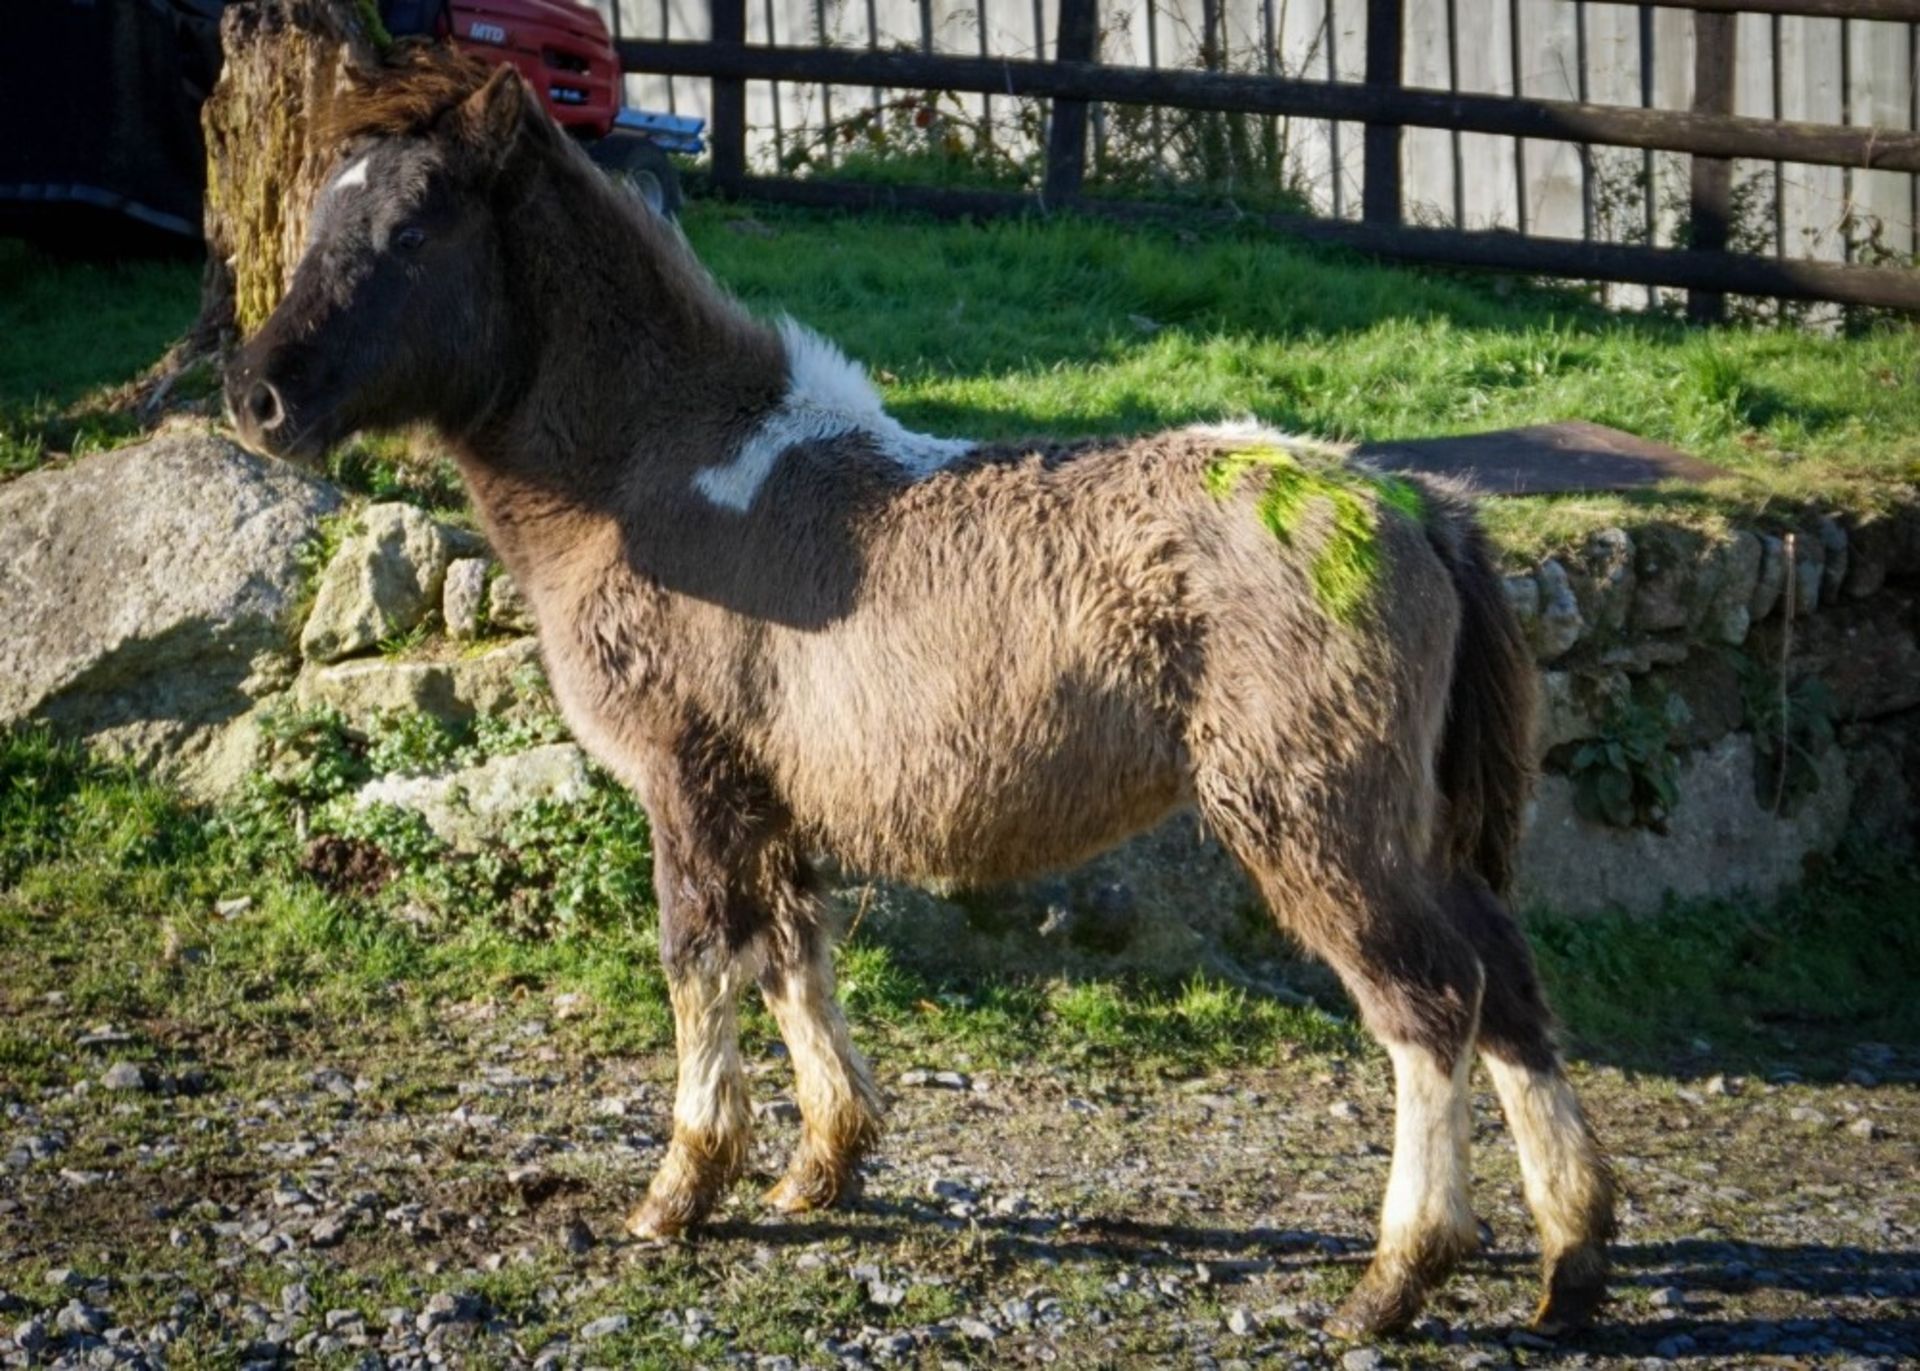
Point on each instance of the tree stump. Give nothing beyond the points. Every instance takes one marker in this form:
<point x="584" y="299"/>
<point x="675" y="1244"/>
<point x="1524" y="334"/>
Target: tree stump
<point x="286" y="61"/>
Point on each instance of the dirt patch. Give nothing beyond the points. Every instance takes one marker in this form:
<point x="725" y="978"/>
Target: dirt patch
<point x="347" y="866"/>
<point x="461" y="1194"/>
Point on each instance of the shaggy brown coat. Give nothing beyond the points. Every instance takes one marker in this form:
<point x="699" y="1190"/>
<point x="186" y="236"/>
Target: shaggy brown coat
<point x="998" y="665"/>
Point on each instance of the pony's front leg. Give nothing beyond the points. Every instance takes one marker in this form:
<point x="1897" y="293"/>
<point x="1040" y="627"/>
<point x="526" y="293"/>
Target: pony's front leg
<point x="712" y="1120"/>
<point x="839" y="1108"/>
<point x="706" y="929"/>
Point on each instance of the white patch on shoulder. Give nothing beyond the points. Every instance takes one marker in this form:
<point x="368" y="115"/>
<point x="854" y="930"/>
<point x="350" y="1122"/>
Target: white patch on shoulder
<point x="735" y="484"/>
<point x="820" y="374"/>
<point x="353" y="177"/>
<point x="828" y="396"/>
<point x="1253" y="431"/>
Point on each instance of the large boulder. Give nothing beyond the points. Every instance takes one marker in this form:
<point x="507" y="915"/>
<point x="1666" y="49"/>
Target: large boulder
<point x="147" y="593"/>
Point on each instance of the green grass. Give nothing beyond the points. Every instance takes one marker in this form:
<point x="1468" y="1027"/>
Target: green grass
<point x="109" y="885"/>
<point x="71" y="329"/>
<point x="67" y="326"/>
<point x="1071" y="327"/>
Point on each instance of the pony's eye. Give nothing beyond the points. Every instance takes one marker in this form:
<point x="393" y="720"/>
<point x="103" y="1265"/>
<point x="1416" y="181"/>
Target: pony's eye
<point x="409" y="238"/>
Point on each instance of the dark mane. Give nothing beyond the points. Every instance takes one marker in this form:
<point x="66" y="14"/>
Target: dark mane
<point x="417" y="81"/>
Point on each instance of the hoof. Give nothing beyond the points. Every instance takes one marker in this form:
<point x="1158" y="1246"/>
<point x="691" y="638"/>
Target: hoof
<point x="1394" y="1290"/>
<point x="788" y="1196"/>
<point x="684" y="1190"/>
<point x="657" y="1220"/>
<point x="807" y="1188"/>
<point x="1379" y="1305"/>
<point x="1576" y="1288"/>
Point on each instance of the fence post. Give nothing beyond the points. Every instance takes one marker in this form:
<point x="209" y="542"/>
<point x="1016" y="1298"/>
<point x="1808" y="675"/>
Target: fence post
<point x="1380" y="190"/>
<point x="1079" y="41"/>
<point x="727" y="132"/>
<point x="1710" y="198"/>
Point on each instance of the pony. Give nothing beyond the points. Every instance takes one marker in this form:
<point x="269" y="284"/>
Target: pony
<point x="795" y="628"/>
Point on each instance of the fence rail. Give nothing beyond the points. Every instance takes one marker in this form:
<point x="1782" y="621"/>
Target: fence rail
<point x="1705" y="135"/>
<point x="1895" y="11"/>
<point x="1385" y="104"/>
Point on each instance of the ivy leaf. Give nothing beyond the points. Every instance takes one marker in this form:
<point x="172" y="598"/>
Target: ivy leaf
<point x="1614" y="791"/>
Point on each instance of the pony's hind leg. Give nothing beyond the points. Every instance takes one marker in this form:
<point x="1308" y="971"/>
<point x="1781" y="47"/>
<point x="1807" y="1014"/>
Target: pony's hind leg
<point x="1426" y="1220"/>
<point x="1417" y="983"/>
<point x="839" y="1108"/>
<point x="1569" y="1185"/>
<point x="1419" y="996"/>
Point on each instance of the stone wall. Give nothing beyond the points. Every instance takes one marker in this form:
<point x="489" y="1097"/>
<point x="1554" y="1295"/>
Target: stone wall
<point x="1805" y="629"/>
<point x="166" y="632"/>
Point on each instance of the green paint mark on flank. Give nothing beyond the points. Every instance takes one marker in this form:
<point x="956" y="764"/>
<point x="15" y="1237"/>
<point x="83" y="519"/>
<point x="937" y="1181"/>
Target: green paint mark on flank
<point x="1402" y="495"/>
<point x="1346" y="567"/>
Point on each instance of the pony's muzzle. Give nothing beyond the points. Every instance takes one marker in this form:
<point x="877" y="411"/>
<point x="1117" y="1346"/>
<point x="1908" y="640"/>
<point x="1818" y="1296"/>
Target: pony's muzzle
<point x="259" y="412"/>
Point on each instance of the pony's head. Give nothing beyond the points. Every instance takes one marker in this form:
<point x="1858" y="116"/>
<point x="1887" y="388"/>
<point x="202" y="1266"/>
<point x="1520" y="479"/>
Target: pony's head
<point x="397" y="311"/>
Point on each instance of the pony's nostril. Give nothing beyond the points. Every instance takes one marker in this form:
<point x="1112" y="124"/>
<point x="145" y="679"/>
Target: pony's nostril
<point x="263" y="404"/>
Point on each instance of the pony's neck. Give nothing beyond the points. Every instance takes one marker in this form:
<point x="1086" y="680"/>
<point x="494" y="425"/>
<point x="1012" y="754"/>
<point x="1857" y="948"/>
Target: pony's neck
<point x="630" y="371"/>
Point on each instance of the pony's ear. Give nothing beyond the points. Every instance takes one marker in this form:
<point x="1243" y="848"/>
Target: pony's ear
<point x="491" y="119"/>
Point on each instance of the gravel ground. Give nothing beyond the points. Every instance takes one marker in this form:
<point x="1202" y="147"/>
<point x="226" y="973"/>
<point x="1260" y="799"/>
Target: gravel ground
<point x="452" y="1195"/>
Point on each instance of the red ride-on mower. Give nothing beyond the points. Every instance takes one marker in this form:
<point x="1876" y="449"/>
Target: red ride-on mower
<point x="563" y="49"/>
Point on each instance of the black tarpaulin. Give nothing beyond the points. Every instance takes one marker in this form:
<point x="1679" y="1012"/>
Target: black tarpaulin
<point x="100" y="111"/>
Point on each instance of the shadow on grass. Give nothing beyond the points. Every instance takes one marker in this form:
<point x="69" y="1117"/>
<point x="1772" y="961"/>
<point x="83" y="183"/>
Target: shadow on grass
<point x="70" y="331"/>
<point x="1706" y="1273"/>
<point x="1814" y="984"/>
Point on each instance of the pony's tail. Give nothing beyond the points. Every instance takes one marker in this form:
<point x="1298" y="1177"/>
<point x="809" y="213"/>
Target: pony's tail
<point x="1485" y="767"/>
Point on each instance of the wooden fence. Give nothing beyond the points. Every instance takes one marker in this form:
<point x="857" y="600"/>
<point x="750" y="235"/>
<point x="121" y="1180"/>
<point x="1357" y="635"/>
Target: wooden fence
<point x="1385" y="105"/>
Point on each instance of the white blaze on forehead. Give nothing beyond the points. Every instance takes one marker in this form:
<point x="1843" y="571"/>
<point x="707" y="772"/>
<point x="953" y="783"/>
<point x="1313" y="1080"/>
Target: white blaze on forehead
<point x="353" y="177"/>
<point x="828" y="396"/>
